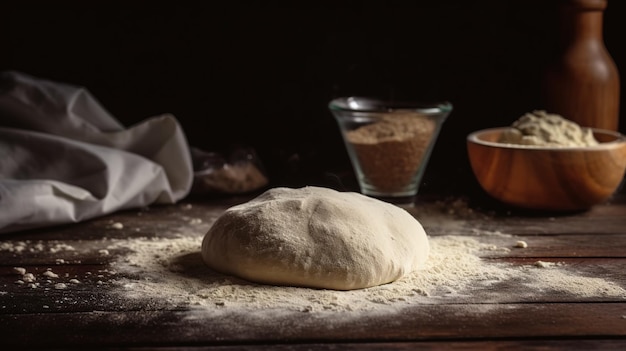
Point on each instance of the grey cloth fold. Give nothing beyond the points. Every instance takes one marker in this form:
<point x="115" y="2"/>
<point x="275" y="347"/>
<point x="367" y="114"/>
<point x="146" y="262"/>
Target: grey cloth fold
<point x="64" y="158"/>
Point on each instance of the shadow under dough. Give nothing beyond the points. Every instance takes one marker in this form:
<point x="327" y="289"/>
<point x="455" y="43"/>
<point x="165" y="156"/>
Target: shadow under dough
<point x="192" y="266"/>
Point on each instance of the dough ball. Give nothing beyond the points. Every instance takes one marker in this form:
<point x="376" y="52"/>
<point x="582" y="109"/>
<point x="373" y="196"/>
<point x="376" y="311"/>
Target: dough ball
<point x="316" y="237"/>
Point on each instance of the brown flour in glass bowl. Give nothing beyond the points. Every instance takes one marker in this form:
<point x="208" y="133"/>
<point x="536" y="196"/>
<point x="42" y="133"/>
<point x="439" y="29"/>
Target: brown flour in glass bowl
<point x="389" y="143"/>
<point x="391" y="150"/>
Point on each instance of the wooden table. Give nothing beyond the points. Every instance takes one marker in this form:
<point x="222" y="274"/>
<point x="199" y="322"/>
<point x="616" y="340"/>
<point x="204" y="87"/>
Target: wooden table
<point x="90" y="314"/>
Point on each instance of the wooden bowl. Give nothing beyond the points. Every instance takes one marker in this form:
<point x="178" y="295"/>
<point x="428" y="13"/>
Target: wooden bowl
<point x="548" y="178"/>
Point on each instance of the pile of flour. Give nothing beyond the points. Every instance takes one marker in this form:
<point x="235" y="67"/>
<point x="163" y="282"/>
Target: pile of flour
<point x="539" y="128"/>
<point x="171" y="272"/>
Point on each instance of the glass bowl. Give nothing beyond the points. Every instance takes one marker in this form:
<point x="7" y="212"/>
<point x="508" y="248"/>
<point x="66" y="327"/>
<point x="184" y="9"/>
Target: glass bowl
<point x="389" y="143"/>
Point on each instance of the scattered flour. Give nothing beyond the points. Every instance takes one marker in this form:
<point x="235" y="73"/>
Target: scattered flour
<point x="117" y="225"/>
<point x="543" y="264"/>
<point x="172" y="271"/>
<point x="32" y="246"/>
<point x="28" y="278"/>
<point x="103" y="252"/>
<point x="61" y="247"/>
<point x="521" y="244"/>
<point x="195" y="221"/>
<point x="50" y="274"/>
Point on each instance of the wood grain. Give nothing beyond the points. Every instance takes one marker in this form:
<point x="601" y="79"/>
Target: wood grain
<point x="435" y="323"/>
<point x="582" y="83"/>
<point x="501" y="316"/>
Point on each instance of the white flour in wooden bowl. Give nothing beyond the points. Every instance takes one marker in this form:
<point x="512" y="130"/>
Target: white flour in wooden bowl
<point x="171" y="274"/>
<point x="539" y="128"/>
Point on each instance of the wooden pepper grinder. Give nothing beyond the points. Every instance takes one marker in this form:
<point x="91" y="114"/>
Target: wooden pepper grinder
<point x="582" y="84"/>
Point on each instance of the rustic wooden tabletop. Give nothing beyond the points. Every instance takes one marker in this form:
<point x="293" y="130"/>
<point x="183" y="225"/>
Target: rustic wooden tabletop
<point x="499" y="280"/>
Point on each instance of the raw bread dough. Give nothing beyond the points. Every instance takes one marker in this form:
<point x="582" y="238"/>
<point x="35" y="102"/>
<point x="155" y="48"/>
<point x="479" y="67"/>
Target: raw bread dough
<point x="316" y="237"/>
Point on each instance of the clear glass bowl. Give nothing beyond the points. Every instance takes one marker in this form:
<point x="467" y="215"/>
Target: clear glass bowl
<point x="389" y="143"/>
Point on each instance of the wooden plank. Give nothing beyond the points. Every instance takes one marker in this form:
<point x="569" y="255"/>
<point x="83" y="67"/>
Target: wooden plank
<point x="442" y="322"/>
<point x="98" y="289"/>
<point x="552" y="246"/>
<point x="163" y="221"/>
<point x="435" y="225"/>
<point x="77" y="250"/>
<point x="99" y="252"/>
<point x="55" y="253"/>
<point x="437" y="218"/>
<point x="445" y="217"/>
<point x="451" y="345"/>
<point x="91" y="267"/>
<point x="503" y="310"/>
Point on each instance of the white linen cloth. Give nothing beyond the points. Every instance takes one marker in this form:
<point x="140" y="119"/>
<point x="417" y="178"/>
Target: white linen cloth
<point x="64" y="158"/>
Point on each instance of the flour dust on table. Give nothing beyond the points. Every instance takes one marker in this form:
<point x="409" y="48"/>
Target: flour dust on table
<point x="170" y="273"/>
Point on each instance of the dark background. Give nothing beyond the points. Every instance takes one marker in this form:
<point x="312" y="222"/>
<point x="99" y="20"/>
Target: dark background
<point x="261" y="74"/>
